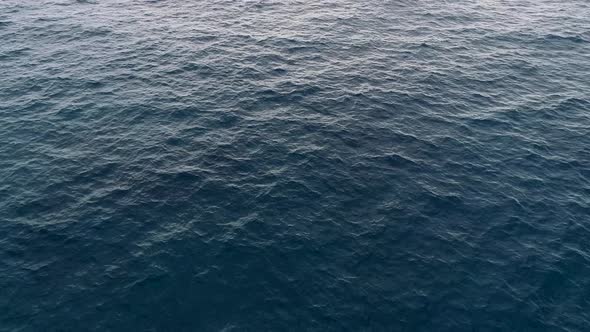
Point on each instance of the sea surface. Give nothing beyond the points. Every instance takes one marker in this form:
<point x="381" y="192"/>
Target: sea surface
<point x="338" y="165"/>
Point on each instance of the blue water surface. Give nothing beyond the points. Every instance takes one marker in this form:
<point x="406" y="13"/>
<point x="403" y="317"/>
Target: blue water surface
<point x="274" y="165"/>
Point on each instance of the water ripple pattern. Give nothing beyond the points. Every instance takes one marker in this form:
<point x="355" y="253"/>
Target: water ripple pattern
<point x="301" y="165"/>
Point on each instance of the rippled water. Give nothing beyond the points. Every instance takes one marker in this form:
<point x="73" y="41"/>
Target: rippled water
<point x="295" y="165"/>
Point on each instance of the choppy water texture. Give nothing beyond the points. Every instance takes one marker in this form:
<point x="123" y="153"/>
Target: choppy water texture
<point x="295" y="165"/>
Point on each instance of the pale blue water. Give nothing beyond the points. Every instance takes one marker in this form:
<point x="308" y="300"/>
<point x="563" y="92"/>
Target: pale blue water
<point x="294" y="165"/>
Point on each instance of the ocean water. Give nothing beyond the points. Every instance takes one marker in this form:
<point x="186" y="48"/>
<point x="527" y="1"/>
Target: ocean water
<point x="304" y="165"/>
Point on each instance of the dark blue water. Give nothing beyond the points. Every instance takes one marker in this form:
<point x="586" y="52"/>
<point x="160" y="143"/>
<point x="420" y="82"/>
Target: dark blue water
<point x="294" y="165"/>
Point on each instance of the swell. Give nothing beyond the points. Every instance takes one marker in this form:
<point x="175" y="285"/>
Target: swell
<point x="212" y="166"/>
